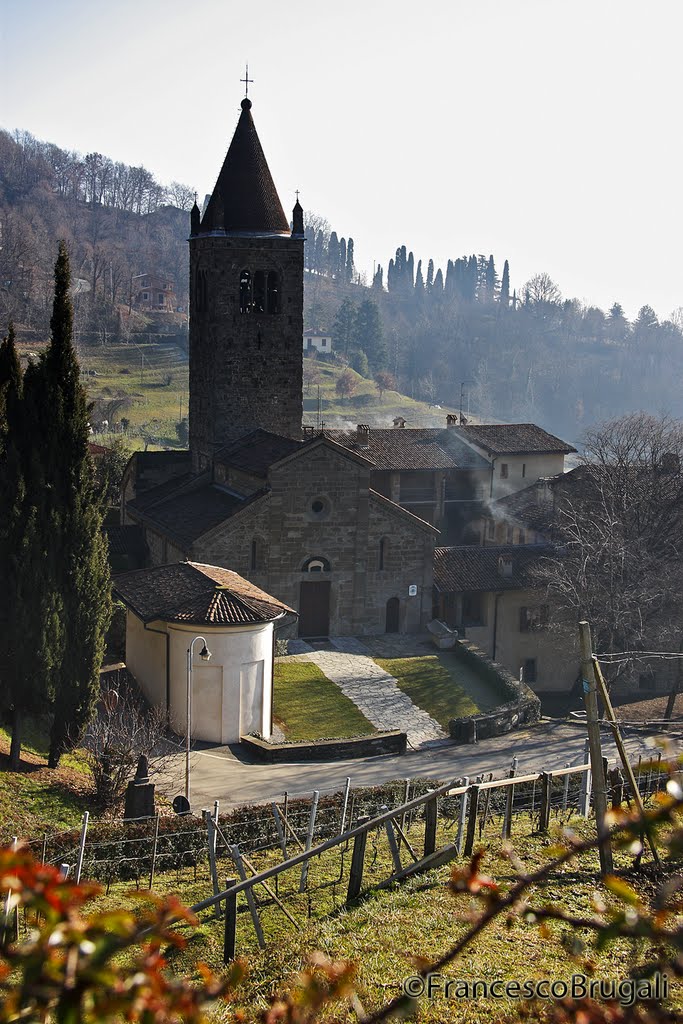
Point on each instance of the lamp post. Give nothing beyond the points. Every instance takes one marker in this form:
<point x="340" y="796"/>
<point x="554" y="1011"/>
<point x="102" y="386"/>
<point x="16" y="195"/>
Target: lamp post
<point x="204" y="654"/>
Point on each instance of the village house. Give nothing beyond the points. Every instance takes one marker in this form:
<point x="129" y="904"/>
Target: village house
<point x="318" y="341"/>
<point x="153" y="292"/>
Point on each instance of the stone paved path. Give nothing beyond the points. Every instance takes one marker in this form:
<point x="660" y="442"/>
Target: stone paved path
<point x="371" y="689"/>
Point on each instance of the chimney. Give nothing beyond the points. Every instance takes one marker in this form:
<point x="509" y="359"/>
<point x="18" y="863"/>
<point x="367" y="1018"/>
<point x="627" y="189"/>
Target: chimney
<point x="399" y="422"/>
<point x="505" y="566"/>
<point x="363" y="435"/>
<point x="451" y="420"/>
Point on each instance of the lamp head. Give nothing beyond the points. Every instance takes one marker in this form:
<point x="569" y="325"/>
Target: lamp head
<point x="205" y="653"/>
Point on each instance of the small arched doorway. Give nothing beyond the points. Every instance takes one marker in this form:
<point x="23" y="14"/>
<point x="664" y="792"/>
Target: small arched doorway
<point x="393" y="607"/>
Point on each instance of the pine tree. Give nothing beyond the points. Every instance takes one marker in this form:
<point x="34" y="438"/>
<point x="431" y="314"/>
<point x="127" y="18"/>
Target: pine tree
<point x="343" y="327"/>
<point x="73" y="524"/>
<point x="504" y="297"/>
<point x="369" y="335"/>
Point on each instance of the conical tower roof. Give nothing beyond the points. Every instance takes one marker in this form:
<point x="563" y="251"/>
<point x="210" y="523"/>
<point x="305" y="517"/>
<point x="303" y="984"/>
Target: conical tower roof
<point x="245" y="198"/>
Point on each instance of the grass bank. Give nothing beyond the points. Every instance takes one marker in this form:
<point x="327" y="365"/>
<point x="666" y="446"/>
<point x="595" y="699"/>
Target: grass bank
<point x="431" y="686"/>
<point x="308" y="706"/>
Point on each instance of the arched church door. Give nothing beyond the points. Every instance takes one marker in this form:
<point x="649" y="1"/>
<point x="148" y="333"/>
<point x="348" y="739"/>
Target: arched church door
<point x="393" y="607"/>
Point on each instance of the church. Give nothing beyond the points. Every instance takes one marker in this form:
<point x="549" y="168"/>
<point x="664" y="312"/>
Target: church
<point x="338" y="524"/>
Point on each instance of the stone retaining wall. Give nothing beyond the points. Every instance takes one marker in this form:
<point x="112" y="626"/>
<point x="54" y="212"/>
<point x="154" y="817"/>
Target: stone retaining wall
<point x="393" y="742"/>
<point x="521" y="708"/>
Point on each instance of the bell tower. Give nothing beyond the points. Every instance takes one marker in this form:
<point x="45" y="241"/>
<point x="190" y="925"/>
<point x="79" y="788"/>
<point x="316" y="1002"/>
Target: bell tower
<point x="246" y="305"/>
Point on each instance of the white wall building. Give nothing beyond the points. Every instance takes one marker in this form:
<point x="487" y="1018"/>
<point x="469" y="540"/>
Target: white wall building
<point x="321" y="341"/>
<point x="167" y="607"/>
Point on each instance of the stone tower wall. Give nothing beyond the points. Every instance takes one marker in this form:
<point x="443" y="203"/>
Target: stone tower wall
<point x="246" y="369"/>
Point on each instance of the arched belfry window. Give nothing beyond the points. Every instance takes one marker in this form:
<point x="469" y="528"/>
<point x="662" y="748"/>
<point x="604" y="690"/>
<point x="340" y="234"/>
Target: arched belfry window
<point x="246" y="300"/>
<point x="317" y="564"/>
<point x="273" y="296"/>
<point x="259" y="291"/>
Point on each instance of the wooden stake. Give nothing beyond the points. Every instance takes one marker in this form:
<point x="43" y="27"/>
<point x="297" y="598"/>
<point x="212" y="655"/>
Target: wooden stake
<point x="230" y="922"/>
<point x="357" y="861"/>
<point x="611" y="718"/>
<point x="590" y="697"/>
<point x="431" y="818"/>
<point x="472" y="820"/>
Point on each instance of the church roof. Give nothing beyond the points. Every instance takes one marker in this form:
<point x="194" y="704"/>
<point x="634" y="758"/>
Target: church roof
<point x="514" y="439"/>
<point x="257" y="451"/>
<point x="197" y="594"/>
<point x="413" y="448"/>
<point x="186" y="516"/>
<point x="470" y="567"/>
<point x="245" y="198"/>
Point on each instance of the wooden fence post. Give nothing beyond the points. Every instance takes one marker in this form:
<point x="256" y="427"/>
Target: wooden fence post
<point x="473" y="796"/>
<point x="230" y="922"/>
<point x="463" y="814"/>
<point x="81" y="846"/>
<point x="211" y="843"/>
<point x="155" y="844"/>
<point x="249" y="893"/>
<point x="585" y="798"/>
<point x="280" y="831"/>
<point x="357" y="861"/>
<point x="431" y="819"/>
<point x="616" y="781"/>
<point x="509" y="798"/>
<point x="391" y="836"/>
<point x="565" y="794"/>
<point x="309" y="840"/>
<point x="544" y="813"/>
<point x="345" y="804"/>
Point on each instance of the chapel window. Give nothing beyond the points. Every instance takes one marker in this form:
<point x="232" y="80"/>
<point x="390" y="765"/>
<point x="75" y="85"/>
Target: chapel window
<point x="383" y="552"/>
<point x="317" y="564"/>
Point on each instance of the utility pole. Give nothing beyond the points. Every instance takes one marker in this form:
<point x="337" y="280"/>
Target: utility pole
<point x="590" y="699"/>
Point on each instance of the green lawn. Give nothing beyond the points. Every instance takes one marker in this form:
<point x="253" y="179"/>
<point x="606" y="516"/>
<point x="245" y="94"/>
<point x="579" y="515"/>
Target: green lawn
<point x="38" y="796"/>
<point x="308" y="706"/>
<point x="431" y="686"/>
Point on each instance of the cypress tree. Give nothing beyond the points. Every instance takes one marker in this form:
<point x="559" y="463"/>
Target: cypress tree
<point x="341" y="269"/>
<point x="349" y="260"/>
<point x="438" y="282"/>
<point x="419" y="280"/>
<point x="491" y="280"/>
<point x="504" y="297"/>
<point x="76" y="547"/>
<point x="29" y="631"/>
<point x="333" y="255"/>
<point x="430" y="275"/>
<point x="343" y="327"/>
<point x="369" y="335"/>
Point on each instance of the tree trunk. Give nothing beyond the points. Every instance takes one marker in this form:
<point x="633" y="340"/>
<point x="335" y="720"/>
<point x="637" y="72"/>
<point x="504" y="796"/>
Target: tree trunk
<point x="15" y="747"/>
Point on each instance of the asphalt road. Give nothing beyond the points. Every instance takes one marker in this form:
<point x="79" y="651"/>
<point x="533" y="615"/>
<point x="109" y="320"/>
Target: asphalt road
<point x="225" y="774"/>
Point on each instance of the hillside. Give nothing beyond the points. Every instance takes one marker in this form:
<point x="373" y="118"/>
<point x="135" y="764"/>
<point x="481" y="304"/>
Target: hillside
<point x="517" y="350"/>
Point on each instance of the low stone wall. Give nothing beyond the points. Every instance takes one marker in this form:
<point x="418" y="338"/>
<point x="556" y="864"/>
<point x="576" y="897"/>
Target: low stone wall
<point x="521" y="708"/>
<point x="393" y="742"/>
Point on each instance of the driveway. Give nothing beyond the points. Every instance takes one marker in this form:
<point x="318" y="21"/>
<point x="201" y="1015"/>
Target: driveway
<point x="226" y="774"/>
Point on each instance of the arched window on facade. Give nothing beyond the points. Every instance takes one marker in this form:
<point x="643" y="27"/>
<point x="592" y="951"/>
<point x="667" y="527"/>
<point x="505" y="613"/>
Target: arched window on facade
<point x="246" y="300"/>
<point x="273" y="295"/>
<point x="259" y="291"/>
<point x="317" y="564"/>
<point x="383" y="553"/>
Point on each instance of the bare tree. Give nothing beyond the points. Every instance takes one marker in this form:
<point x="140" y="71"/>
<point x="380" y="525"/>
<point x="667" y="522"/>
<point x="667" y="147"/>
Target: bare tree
<point x="346" y="385"/>
<point x="619" y="523"/>
<point x="542" y="289"/>
<point x="180" y="195"/>
<point x="123" y="727"/>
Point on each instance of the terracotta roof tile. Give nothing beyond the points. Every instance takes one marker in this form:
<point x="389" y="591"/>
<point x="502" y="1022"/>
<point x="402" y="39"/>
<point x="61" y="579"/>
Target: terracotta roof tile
<point x="514" y="439"/>
<point x="412" y="448"/>
<point x="467" y="568"/>
<point x="195" y="593"/>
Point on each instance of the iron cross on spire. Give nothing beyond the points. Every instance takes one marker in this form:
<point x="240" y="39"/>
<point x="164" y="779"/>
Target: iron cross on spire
<point x="246" y="81"/>
<point x="297" y="195"/>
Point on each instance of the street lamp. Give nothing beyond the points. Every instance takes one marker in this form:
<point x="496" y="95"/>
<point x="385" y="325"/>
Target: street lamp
<point x="204" y="654"/>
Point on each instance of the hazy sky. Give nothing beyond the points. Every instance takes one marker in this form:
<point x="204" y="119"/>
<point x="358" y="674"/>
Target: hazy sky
<point x="541" y="131"/>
